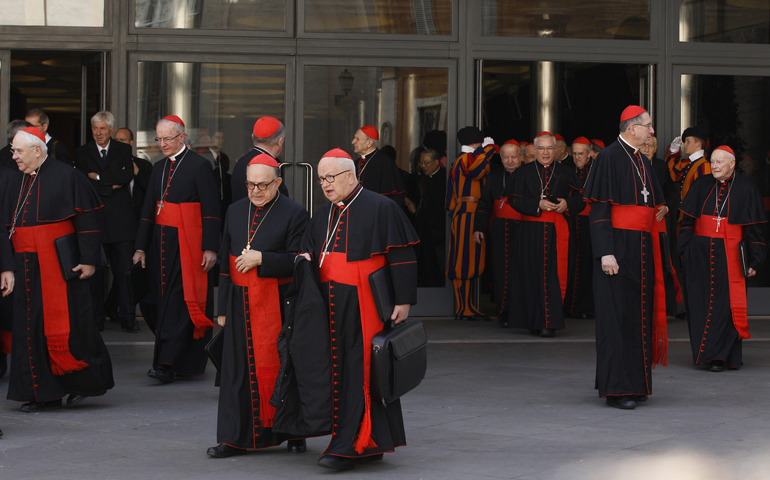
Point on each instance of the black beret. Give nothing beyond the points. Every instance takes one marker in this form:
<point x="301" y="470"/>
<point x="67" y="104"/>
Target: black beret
<point x="469" y="136"/>
<point x="696" y="132"/>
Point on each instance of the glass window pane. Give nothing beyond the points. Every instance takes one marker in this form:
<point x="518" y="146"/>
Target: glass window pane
<point x="734" y="110"/>
<point x="261" y="15"/>
<point x="405" y="104"/>
<point x="52" y="13"/>
<point x="599" y="19"/>
<point x="209" y="98"/>
<point x="724" y="21"/>
<point x="406" y="17"/>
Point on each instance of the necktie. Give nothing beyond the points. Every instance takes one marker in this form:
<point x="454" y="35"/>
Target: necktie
<point x="104" y="153"/>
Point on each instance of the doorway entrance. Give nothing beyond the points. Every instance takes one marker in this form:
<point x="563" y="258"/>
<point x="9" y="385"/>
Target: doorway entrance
<point x="69" y="86"/>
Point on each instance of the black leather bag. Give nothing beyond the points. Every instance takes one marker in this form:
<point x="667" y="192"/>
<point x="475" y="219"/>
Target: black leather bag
<point x="139" y="283"/>
<point x="215" y="348"/>
<point x="399" y="360"/>
<point x="69" y="255"/>
<point x="381" y="283"/>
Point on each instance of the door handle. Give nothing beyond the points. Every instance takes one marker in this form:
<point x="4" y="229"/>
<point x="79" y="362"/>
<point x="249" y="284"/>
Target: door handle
<point x="309" y="204"/>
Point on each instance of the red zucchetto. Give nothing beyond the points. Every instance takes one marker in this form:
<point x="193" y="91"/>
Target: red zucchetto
<point x="265" y="127"/>
<point x="264" y="159"/>
<point x="371" y="132"/>
<point x="36" y="132"/>
<point x="582" y="141"/>
<point x="336" y="153"/>
<point x="630" y="112"/>
<point x="545" y="133"/>
<point x="726" y="149"/>
<point x="174" y="118"/>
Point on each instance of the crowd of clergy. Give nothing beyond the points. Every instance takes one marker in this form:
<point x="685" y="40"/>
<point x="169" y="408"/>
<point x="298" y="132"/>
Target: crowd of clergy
<point x="552" y="224"/>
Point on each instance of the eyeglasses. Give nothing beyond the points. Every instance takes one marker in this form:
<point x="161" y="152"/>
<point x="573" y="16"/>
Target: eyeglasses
<point x="425" y="164"/>
<point x="259" y="186"/>
<point x="167" y="139"/>
<point x="647" y="126"/>
<point x="551" y="148"/>
<point x="329" y="178"/>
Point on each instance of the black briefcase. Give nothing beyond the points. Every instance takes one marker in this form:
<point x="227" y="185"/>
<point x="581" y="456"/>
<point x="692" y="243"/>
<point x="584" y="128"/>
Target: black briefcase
<point x="381" y="284"/>
<point x="68" y="253"/>
<point x="399" y="360"/>
<point x="215" y="348"/>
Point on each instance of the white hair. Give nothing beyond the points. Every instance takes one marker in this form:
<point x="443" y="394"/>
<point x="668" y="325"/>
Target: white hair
<point x="178" y="127"/>
<point x="344" y="164"/>
<point x="375" y="143"/>
<point x="104" y="116"/>
<point x="32" y="141"/>
<point x="544" y="136"/>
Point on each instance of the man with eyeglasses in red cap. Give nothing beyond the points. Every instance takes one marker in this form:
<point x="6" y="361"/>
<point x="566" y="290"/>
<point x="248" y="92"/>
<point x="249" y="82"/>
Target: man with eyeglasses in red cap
<point x="722" y="221"/>
<point x="375" y="170"/>
<point x="179" y="230"/>
<point x="260" y="241"/>
<point x="627" y="204"/>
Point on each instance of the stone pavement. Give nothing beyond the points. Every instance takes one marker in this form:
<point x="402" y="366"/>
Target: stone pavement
<point x="495" y="404"/>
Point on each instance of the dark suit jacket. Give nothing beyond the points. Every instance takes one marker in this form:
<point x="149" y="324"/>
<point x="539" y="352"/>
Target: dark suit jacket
<point x="118" y="217"/>
<point x="238" y="179"/>
<point x="6" y="158"/>
<point x="141" y="184"/>
<point x="59" y="151"/>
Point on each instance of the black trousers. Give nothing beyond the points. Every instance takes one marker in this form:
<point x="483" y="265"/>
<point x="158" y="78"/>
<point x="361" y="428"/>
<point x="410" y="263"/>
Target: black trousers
<point x="120" y="256"/>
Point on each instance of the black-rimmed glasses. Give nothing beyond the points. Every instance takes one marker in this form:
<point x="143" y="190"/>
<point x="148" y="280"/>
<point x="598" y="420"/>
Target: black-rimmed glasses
<point x="329" y="178"/>
<point x="259" y="186"/>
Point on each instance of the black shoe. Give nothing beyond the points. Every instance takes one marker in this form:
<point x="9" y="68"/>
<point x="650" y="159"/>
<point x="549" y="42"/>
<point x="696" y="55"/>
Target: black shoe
<point x="624" y="403"/>
<point x="336" y="463"/>
<point x="165" y="376"/>
<point x="458" y="316"/>
<point x="129" y="325"/>
<point x="31" y="407"/>
<point x="471" y="318"/>
<point x="717" y="366"/>
<point x="296" y="446"/>
<point x="1" y="433"/>
<point x="75" y="399"/>
<point x="224" y="451"/>
<point x="485" y="318"/>
<point x="681" y="316"/>
<point x="640" y="398"/>
<point x="535" y="331"/>
<point x="546" y="332"/>
<point x="370" y="458"/>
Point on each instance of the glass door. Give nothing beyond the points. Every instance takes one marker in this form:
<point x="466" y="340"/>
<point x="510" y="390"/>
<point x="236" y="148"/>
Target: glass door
<point x="93" y="93"/>
<point x="405" y="102"/>
<point x="5" y="94"/>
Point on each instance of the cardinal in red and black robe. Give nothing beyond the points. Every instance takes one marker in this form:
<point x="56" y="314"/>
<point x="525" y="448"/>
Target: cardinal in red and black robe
<point x="179" y="231"/>
<point x="56" y="348"/>
<point x="260" y="241"/>
<point x="375" y="170"/>
<point x="543" y="192"/>
<point x="720" y="210"/>
<point x="626" y="205"/>
<point x="354" y="235"/>
<point x="8" y="180"/>
<point x="579" y="300"/>
<point x="497" y="220"/>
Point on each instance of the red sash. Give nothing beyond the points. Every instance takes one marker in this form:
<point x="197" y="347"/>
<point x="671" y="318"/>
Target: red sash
<point x="677" y="286"/>
<point x="562" y="243"/>
<point x="706" y="226"/>
<point x="186" y="218"/>
<point x="337" y="268"/>
<point x="643" y="219"/>
<point x="586" y="210"/>
<point x="263" y="324"/>
<point x="56" y="313"/>
<point x="503" y="209"/>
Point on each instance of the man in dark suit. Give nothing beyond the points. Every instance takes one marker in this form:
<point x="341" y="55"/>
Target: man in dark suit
<point x="6" y="154"/>
<point x="268" y="136"/>
<point x="210" y="149"/>
<point x="56" y="149"/>
<point x="110" y="168"/>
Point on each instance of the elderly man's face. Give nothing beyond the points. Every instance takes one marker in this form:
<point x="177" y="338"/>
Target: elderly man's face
<point x="259" y="177"/>
<point x="650" y="148"/>
<point x="361" y="143"/>
<point x="27" y="157"/>
<point x="581" y="153"/>
<point x="342" y="185"/>
<point x="544" y="146"/>
<point x="559" y="151"/>
<point x="123" y="136"/>
<point x="530" y="154"/>
<point x="170" y="140"/>
<point x="510" y="156"/>
<point x="101" y="132"/>
<point x="428" y="165"/>
<point x="722" y="165"/>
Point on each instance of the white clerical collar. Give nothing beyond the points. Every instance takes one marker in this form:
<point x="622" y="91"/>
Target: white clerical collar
<point x="467" y="149"/>
<point x="431" y="174"/>
<point x="367" y="154"/>
<point x="214" y="153"/>
<point x="47" y="138"/>
<point x="697" y="155"/>
<point x="629" y="145"/>
<point x="173" y="157"/>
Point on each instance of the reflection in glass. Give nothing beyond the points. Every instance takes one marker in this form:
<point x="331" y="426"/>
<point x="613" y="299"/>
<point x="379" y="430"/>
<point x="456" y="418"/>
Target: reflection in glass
<point x="725" y="21"/>
<point x="406" y="17"/>
<point x="218" y="103"/>
<point x="53" y="13"/>
<point x="599" y="19"/>
<point x="263" y="15"/>
<point x="735" y="111"/>
<point x="409" y="108"/>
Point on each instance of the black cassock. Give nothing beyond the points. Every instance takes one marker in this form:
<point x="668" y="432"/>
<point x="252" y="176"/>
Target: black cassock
<point x="580" y="292"/>
<point x="60" y="193"/>
<point x="537" y="291"/>
<point x="192" y="182"/>
<point x="9" y="178"/>
<point x="671" y="194"/>
<point x="499" y="231"/>
<point x="623" y="333"/>
<point x="277" y="229"/>
<point x="713" y="333"/>
<point x="371" y="227"/>
<point x="431" y="228"/>
<point x="380" y="174"/>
